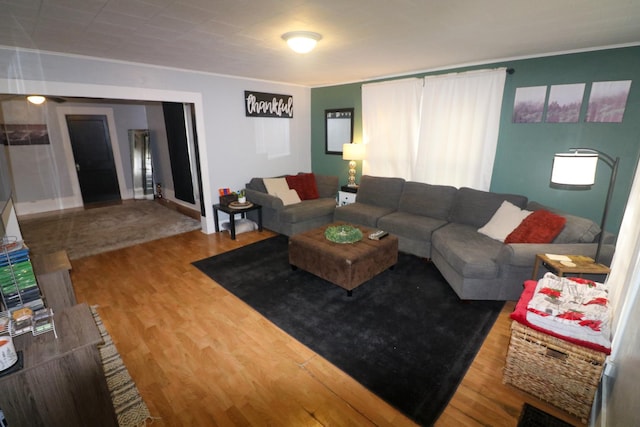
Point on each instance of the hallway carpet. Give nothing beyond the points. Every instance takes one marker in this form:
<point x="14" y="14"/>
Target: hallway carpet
<point x="91" y="231"/>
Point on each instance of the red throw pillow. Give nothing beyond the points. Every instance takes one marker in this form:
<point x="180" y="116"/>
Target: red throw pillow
<point x="541" y="226"/>
<point x="304" y="184"/>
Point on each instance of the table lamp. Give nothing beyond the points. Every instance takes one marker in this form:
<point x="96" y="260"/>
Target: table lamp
<point x="352" y="152"/>
<point x="578" y="168"/>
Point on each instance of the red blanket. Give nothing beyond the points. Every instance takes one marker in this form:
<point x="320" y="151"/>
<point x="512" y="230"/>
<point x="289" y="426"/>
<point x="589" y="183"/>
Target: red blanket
<point x="520" y="315"/>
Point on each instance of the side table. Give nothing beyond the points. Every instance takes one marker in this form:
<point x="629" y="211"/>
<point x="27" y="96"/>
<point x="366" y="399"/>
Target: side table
<point x="232" y="216"/>
<point x="581" y="265"/>
<point x="348" y="189"/>
<point x="347" y="195"/>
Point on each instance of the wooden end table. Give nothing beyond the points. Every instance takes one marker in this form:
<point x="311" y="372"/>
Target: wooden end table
<point x="582" y="265"/>
<point x="232" y="216"/>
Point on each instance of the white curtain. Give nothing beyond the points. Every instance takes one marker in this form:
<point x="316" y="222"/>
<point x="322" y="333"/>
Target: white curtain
<point x="625" y="266"/>
<point x="459" y="128"/>
<point x="390" y="126"/>
<point x="439" y="130"/>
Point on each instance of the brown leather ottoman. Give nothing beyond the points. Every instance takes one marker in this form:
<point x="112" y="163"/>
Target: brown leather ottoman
<point x="347" y="265"/>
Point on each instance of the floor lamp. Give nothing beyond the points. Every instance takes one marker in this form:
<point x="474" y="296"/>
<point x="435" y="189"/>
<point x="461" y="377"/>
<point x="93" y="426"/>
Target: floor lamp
<point x="578" y="168"/>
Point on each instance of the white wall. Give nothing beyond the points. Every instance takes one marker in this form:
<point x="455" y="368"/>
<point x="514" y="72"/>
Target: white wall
<point x="127" y="117"/>
<point x="159" y="146"/>
<point x="229" y="142"/>
<point x="33" y="166"/>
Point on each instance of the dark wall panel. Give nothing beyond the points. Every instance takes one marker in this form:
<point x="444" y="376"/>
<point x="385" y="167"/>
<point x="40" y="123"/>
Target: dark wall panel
<point x="178" y="151"/>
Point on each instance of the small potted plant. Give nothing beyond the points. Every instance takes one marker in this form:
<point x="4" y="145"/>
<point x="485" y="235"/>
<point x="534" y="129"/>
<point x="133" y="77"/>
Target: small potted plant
<point x="242" y="198"/>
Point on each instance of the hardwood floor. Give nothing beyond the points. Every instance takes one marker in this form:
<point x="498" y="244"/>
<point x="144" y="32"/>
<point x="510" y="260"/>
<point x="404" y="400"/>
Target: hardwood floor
<point x="201" y="357"/>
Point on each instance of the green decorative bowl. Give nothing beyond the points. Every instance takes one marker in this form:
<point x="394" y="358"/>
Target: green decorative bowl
<point x="343" y="234"/>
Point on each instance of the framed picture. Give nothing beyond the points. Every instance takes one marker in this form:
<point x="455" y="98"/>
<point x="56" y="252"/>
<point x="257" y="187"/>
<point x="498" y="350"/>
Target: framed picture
<point x="528" y="104"/>
<point x="36" y="134"/>
<point x="565" y="102"/>
<point x="608" y="101"/>
<point x="338" y="129"/>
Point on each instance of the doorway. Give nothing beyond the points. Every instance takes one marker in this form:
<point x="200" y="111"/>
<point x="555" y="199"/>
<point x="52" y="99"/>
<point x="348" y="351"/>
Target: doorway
<point x="93" y="156"/>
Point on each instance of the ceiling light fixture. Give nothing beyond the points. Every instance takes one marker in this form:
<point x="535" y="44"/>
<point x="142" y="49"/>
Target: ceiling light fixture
<point x="36" y="99"/>
<point x="301" y="41"/>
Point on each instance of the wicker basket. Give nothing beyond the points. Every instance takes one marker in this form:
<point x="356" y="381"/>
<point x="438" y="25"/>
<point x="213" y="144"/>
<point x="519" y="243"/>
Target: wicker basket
<point x="563" y="374"/>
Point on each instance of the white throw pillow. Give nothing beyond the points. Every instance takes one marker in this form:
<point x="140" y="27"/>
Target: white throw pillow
<point x="504" y="221"/>
<point x="280" y="188"/>
<point x="276" y="185"/>
<point x="289" y="197"/>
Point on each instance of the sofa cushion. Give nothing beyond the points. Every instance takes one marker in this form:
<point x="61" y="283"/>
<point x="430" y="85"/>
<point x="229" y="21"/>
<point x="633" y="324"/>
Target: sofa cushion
<point x="576" y="230"/>
<point x="304" y="184"/>
<point x="541" y="226"/>
<point x="327" y="185"/>
<point x="307" y="210"/>
<point x="417" y="227"/>
<point x="476" y="207"/>
<point x="257" y="184"/>
<point x="506" y="219"/>
<point x="428" y="200"/>
<point x="380" y="191"/>
<point x="468" y="252"/>
<point x="360" y="213"/>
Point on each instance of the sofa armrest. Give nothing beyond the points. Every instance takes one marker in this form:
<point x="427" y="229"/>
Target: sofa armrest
<point x="264" y="199"/>
<point x="524" y="254"/>
<point x="609" y="238"/>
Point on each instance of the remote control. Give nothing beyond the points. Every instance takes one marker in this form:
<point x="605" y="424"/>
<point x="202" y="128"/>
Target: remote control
<point x="378" y="234"/>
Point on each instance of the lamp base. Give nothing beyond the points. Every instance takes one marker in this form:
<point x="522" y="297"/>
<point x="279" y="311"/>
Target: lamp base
<point x="351" y="181"/>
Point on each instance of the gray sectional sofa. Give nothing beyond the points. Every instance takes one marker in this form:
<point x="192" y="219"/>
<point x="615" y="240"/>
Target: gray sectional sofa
<point x="437" y="222"/>
<point x="442" y="222"/>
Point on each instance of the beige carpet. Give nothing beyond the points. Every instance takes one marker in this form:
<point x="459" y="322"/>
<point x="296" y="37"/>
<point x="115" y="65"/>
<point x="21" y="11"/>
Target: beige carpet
<point x="92" y="231"/>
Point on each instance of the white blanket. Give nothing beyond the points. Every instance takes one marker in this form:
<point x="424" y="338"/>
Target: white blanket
<point x="572" y="307"/>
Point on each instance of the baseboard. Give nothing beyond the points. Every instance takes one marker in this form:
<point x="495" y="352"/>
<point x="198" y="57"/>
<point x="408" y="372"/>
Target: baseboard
<point x="180" y="208"/>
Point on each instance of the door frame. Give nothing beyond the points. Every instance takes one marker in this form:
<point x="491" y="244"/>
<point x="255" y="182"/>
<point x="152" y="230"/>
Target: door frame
<point x="63" y="112"/>
<point x="90" y="90"/>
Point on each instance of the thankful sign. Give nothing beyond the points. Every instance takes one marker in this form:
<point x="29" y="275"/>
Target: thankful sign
<point x="259" y="104"/>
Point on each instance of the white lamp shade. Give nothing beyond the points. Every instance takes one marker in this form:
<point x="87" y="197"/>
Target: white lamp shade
<point x="353" y="151"/>
<point x="574" y="168"/>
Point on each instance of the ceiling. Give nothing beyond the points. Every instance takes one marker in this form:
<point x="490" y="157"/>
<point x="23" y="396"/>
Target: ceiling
<point x="362" y="39"/>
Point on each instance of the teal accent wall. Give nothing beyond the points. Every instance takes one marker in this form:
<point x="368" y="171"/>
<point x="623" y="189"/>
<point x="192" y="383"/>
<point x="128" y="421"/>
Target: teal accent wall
<point x="344" y="96"/>
<point x="525" y="151"/>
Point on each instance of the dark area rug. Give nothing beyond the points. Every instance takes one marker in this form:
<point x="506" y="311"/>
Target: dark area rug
<point x="404" y="335"/>
<point x="534" y="417"/>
